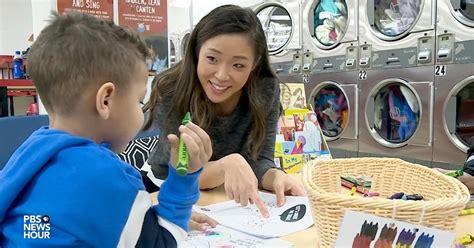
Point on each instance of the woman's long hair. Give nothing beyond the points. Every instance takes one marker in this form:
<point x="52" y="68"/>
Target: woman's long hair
<point x="181" y="84"/>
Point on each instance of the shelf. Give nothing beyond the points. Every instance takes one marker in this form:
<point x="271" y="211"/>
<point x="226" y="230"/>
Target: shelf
<point x="16" y="82"/>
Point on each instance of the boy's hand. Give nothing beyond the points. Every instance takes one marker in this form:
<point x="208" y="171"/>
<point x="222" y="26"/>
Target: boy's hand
<point x="198" y="144"/>
<point x="201" y="222"/>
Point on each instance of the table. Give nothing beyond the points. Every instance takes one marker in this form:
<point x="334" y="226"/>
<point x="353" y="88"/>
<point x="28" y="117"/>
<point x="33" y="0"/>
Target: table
<point x="309" y="237"/>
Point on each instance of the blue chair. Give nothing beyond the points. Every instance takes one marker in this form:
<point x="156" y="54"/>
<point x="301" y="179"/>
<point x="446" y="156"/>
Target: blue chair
<point x="15" y="130"/>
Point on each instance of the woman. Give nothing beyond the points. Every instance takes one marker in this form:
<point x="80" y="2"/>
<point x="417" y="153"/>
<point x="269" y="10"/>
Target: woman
<point x="226" y="82"/>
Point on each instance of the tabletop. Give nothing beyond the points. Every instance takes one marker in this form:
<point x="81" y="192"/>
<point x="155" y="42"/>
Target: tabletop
<point x="309" y="237"/>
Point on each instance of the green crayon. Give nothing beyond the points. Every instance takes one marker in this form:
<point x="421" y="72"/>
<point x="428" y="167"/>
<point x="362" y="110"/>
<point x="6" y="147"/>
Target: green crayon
<point x="183" y="156"/>
<point x="455" y="174"/>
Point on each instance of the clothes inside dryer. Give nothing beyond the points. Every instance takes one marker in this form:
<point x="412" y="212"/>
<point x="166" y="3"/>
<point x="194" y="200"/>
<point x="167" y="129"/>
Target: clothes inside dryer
<point x="277" y="24"/>
<point x="465" y="114"/>
<point x="467" y="9"/>
<point x="330" y="21"/>
<point x="331" y="108"/>
<point x="394" y="17"/>
<point x="396" y="113"/>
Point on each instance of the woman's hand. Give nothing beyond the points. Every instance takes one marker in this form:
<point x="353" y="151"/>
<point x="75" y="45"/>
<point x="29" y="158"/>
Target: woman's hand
<point x="201" y="222"/>
<point x="240" y="182"/>
<point x="282" y="184"/>
<point x="467" y="180"/>
<point x="198" y="144"/>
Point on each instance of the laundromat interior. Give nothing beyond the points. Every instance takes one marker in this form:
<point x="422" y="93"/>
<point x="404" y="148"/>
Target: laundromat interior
<point x="391" y="78"/>
<point x="355" y="124"/>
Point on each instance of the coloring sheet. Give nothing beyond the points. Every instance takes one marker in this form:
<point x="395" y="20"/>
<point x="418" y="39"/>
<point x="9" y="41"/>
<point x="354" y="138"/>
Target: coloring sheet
<point x="361" y="230"/>
<point x="223" y="237"/>
<point x="294" y="216"/>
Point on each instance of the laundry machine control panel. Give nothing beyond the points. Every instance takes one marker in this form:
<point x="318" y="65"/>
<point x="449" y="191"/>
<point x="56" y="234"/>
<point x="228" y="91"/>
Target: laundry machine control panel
<point x="365" y="56"/>
<point x="445" y="48"/>
<point x="425" y="50"/>
<point x="351" y="58"/>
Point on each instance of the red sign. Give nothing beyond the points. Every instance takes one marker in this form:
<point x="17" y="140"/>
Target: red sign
<point x="103" y="9"/>
<point x="146" y="16"/>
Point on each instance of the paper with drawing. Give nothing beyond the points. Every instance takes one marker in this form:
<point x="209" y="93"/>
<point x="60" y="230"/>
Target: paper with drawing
<point x="294" y="216"/>
<point x="221" y="237"/>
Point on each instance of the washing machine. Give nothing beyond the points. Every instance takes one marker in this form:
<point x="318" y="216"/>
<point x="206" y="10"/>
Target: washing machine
<point x="397" y="113"/>
<point x="281" y="23"/>
<point x="390" y="33"/>
<point x="396" y="63"/>
<point x="183" y="42"/>
<point x="174" y="51"/>
<point x="330" y="33"/>
<point x="334" y="98"/>
<point x="330" y="42"/>
<point x="454" y="82"/>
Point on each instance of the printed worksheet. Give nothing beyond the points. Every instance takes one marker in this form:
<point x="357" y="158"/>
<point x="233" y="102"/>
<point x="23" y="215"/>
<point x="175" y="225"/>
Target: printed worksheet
<point x="223" y="237"/>
<point x="294" y="216"/>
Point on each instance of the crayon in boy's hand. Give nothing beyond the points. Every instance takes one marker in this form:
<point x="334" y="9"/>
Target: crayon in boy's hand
<point x="183" y="156"/>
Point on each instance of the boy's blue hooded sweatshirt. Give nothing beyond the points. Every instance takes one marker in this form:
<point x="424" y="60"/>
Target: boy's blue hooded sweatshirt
<point x="58" y="189"/>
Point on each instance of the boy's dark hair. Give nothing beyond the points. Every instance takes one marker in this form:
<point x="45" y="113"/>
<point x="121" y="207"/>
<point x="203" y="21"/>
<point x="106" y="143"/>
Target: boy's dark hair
<point x="77" y="52"/>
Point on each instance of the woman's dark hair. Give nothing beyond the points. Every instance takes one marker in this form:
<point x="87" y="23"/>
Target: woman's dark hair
<point x="181" y="82"/>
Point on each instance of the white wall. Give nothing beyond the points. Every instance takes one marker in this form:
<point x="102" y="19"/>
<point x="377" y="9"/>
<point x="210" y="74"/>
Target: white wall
<point x="179" y="16"/>
<point x="202" y="7"/>
<point x="41" y="12"/>
<point x="15" y="25"/>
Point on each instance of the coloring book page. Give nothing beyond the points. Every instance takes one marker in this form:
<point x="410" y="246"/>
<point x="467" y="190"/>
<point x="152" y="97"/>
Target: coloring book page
<point x="223" y="237"/>
<point x="362" y="230"/>
<point x="294" y="216"/>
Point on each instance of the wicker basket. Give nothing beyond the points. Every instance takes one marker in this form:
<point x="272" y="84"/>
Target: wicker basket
<point x="444" y="197"/>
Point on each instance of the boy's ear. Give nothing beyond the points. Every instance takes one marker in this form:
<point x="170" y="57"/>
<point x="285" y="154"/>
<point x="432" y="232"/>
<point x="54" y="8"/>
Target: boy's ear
<point x="103" y="99"/>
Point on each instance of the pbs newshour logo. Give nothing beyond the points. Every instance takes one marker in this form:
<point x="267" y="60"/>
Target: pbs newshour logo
<point x="36" y="227"/>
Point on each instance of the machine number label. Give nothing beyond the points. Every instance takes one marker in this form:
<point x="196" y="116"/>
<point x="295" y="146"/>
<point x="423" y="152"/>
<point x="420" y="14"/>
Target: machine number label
<point x="305" y="78"/>
<point x="440" y="70"/>
<point x="362" y="75"/>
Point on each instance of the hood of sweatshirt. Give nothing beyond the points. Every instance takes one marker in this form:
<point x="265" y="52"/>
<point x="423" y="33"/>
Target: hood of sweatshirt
<point x="29" y="159"/>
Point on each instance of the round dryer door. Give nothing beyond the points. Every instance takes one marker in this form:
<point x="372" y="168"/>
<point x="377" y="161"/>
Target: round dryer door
<point x="459" y="114"/>
<point x="277" y="25"/>
<point x="172" y="53"/>
<point x="331" y="107"/>
<point x="393" y="19"/>
<point x="393" y="113"/>
<point x="329" y="21"/>
<point x="463" y="11"/>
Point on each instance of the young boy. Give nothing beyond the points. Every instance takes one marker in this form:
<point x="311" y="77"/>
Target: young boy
<point x="65" y="186"/>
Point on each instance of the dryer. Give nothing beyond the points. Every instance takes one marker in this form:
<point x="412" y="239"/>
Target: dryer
<point x="183" y="42"/>
<point x="282" y="25"/>
<point x="396" y="61"/>
<point x="174" y="51"/>
<point x="334" y="98"/>
<point x="454" y="81"/>
<point x="330" y="42"/>
<point x="330" y="31"/>
<point x="396" y="114"/>
<point x="391" y="32"/>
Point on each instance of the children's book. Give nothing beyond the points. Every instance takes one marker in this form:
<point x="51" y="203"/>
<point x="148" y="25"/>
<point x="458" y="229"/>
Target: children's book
<point x="298" y="140"/>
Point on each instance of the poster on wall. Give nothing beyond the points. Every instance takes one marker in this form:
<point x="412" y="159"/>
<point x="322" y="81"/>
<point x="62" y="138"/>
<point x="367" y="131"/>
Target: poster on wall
<point x="149" y="17"/>
<point x="103" y="9"/>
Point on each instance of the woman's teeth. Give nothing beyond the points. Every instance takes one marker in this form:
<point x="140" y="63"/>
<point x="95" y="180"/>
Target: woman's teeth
<point x="217" y="87"/>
